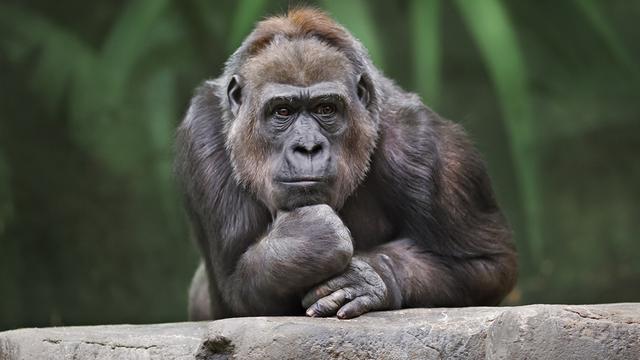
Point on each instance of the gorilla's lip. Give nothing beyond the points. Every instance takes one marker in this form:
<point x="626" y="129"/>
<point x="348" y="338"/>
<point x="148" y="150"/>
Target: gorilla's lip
<point x="300" y="183"/>
<point x="303" y="181"/>
<point x="298" y="180"/>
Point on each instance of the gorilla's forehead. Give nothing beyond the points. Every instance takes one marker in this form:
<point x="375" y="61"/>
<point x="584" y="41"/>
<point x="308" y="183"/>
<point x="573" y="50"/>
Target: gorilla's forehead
<point x="299" y="62"/>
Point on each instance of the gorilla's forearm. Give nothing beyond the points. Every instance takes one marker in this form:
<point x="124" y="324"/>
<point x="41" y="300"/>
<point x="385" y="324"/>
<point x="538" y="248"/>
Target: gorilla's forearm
<point x="402" y="273"/>
<point x="303" y="247"/>
<point x="425" y="279"/>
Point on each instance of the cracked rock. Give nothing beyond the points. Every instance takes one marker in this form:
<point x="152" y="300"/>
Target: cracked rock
<point x="608" y="331"/>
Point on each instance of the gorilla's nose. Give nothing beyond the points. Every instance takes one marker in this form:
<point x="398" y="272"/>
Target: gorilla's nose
<point x="308" y="149"/>
<point x="309" y="155"/>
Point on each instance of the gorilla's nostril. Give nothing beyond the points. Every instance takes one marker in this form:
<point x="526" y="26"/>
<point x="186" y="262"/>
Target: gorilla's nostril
<point x="308" y="150"/>
<point x="300" y="149"/>
<point x="316" y="148"/>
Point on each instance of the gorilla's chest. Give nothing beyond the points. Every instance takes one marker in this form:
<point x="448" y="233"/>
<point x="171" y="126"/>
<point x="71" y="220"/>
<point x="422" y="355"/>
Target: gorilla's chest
<point x="366" y="218"/>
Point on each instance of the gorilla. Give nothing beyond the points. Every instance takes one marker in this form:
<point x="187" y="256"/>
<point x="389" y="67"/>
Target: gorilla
<point x="315" y="185"/>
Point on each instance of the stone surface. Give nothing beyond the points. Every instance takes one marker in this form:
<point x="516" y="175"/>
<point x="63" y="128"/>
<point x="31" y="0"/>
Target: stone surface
<point x="610" y="331"/>
<point x="160" y="341"/>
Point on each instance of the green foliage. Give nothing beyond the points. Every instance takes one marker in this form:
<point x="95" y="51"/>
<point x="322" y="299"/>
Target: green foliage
<point x="6" y="204"/>
<point x="246" y="14"/>
<point x="601" y="25"/>
<point x="91" y="225"/>
<point x="495" y="37"/>
<point x="425" y="23"/>
<point x="60" y="52"/>
<point x="361" y="25"/>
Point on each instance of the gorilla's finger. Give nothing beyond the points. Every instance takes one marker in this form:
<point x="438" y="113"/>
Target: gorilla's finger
<point x="316" y="294"/>
<point x="328" y="305"/>
<point x="357" y="307"/>
<point x="323" y="290"/>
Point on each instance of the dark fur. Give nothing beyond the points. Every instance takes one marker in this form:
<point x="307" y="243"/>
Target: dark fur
<point x="421" y="212"/>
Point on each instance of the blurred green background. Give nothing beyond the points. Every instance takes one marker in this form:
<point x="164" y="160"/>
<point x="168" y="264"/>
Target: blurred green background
<point x="91" y="226"/>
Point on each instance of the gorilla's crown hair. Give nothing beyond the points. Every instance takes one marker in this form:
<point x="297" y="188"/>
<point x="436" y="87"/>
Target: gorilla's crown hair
<point x="300" y="23"/>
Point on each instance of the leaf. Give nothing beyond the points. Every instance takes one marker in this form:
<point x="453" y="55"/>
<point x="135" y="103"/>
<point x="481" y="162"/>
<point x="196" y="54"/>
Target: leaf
<point x="247" y="13"/>
<point x="59" y="51"/>
<point x="425" y="22"/>
<point x="103" y="119"/>
<point x="6" y="203"/>
<point x="127" y="42"/>
<point x="495" y="37"/>
<point x="594" y="15"/>
<point x="360" y="25"/>
<point x="161" y="111"/>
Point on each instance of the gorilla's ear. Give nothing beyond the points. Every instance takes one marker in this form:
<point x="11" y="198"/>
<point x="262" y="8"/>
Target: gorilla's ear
<point x="234" y="94"/>
<point x="365" y="89"/>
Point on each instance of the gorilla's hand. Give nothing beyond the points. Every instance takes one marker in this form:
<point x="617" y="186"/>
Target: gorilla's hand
<point x="358" y="290"/>
<point x="310" y="244"/>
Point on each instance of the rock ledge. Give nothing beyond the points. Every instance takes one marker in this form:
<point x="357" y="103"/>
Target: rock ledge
<point x="608" y="331"/>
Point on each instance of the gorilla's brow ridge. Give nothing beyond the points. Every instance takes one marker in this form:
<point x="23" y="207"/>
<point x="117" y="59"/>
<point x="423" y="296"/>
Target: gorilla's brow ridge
<point x="327" y="97"/>
<point x="288" y="93"/>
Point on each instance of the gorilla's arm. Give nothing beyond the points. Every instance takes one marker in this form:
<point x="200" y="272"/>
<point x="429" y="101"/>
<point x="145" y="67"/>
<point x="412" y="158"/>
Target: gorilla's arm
<point x="303" y="247"/>
<point x="254" y="266"/>
<point x="432" y="280"/>
<point x="454" y="247"/>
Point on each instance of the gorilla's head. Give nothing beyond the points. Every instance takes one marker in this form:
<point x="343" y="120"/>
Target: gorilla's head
<point x="302" y="128"/>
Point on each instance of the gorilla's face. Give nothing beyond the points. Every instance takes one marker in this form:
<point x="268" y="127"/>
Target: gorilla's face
<point x="305" y="125"/>
<point x="302" y="133"/>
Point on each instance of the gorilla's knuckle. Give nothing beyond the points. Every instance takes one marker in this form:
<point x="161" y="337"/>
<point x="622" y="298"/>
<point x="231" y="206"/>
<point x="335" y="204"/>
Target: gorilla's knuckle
<point x="350" y="293"/>
<point x="304" y="212"/>
<point x="327" y="305"/>
<point x="342" y="253"/>
<point x="320" y="209"/>
<point x="372" y="278"/>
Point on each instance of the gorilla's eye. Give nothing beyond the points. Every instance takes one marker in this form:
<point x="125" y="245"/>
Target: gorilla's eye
<point x="282" y="111"/>
<point x="325" y="109"/>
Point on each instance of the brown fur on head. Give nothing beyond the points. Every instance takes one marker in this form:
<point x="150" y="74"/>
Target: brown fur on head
<point x="299" y="23"/>
<point x="303" y="48"/>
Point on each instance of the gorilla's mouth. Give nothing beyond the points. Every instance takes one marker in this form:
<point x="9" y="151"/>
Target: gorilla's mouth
<point x="302" y="191"/>
<point x="303" y="181"/>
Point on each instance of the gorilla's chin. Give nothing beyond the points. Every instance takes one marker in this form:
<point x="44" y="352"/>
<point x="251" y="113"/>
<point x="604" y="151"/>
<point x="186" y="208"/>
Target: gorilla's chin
<point x="295" y="194"/>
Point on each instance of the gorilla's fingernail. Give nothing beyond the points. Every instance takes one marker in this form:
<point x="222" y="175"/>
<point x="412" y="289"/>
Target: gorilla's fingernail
<point x="341" y="314"/>
<point x="311" y="313"/>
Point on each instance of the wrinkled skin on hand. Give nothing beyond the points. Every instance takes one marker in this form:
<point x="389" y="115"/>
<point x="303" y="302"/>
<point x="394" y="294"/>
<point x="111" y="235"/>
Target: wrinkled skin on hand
<point x="358" y="290"/>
